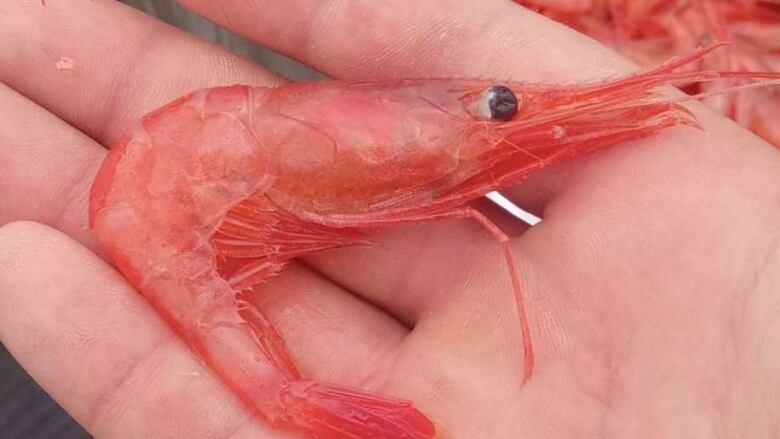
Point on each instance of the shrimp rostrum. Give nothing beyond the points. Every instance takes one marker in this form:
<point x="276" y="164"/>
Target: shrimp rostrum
<point x="207" y="197"/>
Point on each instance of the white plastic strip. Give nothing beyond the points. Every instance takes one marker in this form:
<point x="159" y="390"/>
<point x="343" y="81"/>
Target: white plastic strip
<point x="513" y="209"/>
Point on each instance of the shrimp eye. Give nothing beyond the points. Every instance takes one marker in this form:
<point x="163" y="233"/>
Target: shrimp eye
<point x="502" y="102"/>
<point x="497" y="102"/>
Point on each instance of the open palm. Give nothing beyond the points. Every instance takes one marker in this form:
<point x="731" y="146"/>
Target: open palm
<point x="653" y="283"/>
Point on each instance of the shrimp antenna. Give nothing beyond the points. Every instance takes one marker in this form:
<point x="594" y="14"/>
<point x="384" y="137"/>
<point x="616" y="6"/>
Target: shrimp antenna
<point x="700" y="96"/>
<point x="641" y="78"/>
<point x="733" y="89"/>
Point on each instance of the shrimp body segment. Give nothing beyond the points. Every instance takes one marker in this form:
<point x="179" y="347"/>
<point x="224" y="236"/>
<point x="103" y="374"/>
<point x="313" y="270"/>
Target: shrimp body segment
<point x="204" y="199"/>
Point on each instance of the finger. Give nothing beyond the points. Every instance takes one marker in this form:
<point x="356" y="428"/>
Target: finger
<point x="140" y="380"/>
<point x="122" y="63"/>
<point x="46" y="168"/>
<point x="440" y="38"/>
<point x="97" y="348"/>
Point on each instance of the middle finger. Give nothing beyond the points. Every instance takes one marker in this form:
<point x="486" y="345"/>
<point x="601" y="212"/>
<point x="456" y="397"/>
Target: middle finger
<point x="411" y="38"/>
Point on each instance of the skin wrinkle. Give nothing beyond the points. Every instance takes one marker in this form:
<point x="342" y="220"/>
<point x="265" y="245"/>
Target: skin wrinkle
<point x="737" y="337"/>
<point x="380" y="377"/>
<point x="402" y="284"/>
<point x="739" y="324"/>
<point x="730" y="375"/>
<point x="73" y="189"/>
<point x="111" y="405"/>
<point x="130" y="78"/>
<point x="314" y="271"/>
<point x="224" y="16"/>
<point x="604" y="389"/>
<point x="372" y="27"/>
<point x="397" y="315"/>
<point x="363" y="377"/>
<point x="306" y="41"/>
<point x="317" y="15"/>
<point x="769" y="266"/>
<point x="609" y="384"/>
<point x="76" y="203"/>
<point x="771" y="256"/>
<point x="243" y="429"/>
<point x="603" y="394"/>
<point x="300" y="40"/>
<point x="262" y="298"/>
<point x="9" y="261"/>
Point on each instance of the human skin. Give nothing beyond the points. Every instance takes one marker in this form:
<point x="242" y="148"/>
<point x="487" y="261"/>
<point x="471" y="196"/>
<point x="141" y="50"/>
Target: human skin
<point x="653" y="283"/>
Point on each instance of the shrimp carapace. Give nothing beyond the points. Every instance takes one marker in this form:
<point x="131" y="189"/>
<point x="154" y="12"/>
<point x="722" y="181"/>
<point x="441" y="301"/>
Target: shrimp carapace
<point x="207" y="197"/>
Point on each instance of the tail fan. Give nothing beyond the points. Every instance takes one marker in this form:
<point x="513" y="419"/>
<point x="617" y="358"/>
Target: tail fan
<point x="339" y="413"/>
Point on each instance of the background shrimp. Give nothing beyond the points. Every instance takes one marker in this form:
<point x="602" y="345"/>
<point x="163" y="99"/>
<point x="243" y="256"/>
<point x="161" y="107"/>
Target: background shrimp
<point x="649" y="31"/>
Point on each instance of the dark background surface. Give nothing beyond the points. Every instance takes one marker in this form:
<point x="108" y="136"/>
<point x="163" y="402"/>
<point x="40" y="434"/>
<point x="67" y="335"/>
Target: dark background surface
<point x="26" y="411"/>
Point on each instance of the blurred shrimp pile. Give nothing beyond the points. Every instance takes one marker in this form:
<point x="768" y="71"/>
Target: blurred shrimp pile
<point x="649" y="31"/>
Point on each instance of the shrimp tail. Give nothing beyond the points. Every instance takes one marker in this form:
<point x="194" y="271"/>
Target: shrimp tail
<point x="251" y="358"/>
<point x="284" y="398"/>
<point x="336" y="412"/>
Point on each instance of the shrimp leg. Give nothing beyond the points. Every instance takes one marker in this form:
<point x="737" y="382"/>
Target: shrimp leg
<point x="268" y="338"/>
<point x="505" y="242"/>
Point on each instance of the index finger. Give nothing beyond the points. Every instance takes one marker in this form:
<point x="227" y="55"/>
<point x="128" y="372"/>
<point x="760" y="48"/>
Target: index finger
<point x="409" y="38"/>
<point x="99" y="349"/>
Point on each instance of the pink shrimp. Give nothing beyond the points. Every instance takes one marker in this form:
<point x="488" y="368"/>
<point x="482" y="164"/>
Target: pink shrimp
<point x="647" y="31"/>
<point x="213" y="193"/>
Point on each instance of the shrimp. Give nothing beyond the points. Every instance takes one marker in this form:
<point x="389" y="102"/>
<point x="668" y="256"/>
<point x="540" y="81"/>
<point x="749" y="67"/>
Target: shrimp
<point x="207" y="197"/>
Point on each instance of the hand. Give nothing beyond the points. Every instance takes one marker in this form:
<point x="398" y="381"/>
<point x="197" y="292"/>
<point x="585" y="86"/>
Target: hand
<point x="653" y="284"/>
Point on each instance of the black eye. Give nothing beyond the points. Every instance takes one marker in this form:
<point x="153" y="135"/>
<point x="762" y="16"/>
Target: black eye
<point x="502" y="103"/>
